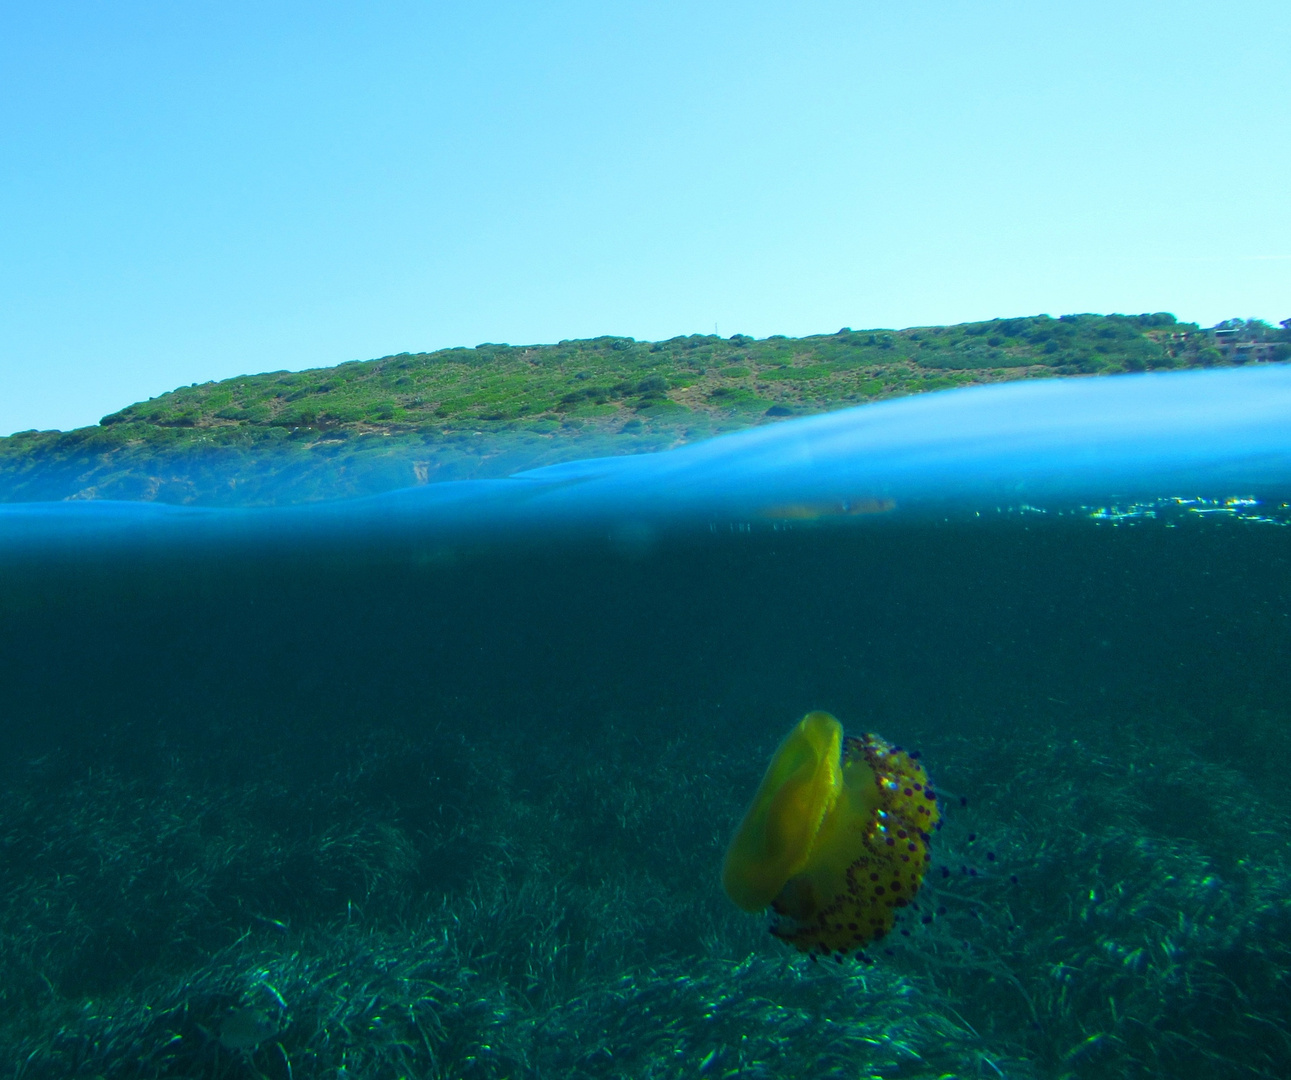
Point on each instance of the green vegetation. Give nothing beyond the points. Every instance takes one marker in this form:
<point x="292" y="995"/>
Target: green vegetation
<point x="290" y="817"/>
<point x="418" y="915"/>
<point x="458" y="413"/>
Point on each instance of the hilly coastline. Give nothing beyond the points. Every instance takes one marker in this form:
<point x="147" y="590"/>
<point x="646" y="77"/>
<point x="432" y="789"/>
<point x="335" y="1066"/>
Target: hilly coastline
<point x="414" y="418"/>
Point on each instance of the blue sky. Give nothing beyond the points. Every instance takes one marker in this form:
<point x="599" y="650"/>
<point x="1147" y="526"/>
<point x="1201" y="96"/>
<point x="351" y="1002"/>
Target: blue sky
<point x="190" y="191"/>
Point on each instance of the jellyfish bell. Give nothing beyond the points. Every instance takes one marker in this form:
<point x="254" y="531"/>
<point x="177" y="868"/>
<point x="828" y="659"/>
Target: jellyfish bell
<point x="774" y="841"/>
<point x="836" y="839"/>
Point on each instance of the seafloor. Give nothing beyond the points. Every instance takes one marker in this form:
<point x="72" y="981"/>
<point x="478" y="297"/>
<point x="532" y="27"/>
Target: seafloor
<point x="393" y="812"/>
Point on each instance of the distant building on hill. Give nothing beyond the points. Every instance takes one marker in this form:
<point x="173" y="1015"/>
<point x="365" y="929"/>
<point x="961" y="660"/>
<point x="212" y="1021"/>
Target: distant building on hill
<point x="1237" y="347"/>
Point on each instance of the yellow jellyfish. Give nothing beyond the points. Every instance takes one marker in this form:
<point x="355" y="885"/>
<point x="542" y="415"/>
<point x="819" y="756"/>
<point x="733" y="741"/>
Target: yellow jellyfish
<point x="836" y="840"/>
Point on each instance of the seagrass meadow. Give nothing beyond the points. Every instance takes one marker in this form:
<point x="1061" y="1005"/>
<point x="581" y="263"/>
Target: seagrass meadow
<point x="381" y="811"/>
<point x="440" y="783"/>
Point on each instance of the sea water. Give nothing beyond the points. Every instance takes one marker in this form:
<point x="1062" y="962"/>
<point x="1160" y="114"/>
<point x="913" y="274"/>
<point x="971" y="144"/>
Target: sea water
<point x="438" y="784"/>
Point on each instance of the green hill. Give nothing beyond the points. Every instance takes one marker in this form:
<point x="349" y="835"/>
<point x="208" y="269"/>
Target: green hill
<point x="459" y="413"/>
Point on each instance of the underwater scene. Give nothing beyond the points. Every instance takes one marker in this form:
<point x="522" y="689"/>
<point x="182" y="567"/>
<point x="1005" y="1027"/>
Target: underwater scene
<point x="945" y="737"/>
